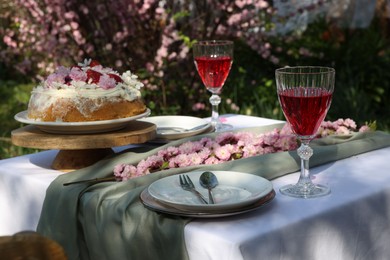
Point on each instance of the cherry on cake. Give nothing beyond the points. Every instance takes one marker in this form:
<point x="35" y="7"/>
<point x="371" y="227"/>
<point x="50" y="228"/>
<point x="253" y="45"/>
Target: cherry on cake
<point x="86" y="92"/>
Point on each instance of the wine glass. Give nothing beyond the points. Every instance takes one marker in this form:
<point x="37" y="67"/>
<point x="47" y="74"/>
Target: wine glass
<point x="213" y="60"/>
<point x="305" y="94"/>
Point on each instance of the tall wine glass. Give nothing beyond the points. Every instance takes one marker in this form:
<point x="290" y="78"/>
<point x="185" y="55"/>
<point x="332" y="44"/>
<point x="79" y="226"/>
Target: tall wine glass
<point x="305" y="94"/>
<point x="213" y="60"/>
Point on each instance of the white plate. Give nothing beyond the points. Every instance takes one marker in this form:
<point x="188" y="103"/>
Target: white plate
<point x="79" y="127"/>
<point x="191" y="125"/>
<point x="155" y="205"/>
<point x="235" y="190"/>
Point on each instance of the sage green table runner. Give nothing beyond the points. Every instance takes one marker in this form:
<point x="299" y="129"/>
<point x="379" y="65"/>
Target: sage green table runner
<point x="108" y="221"/>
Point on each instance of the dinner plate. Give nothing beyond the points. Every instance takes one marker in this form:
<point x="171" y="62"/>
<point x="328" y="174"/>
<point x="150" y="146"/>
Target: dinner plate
<point x="153" y="204"/>
<point x="176" y="127"/>
<point x="79" y="127"/>
<point x="235" y="190"/>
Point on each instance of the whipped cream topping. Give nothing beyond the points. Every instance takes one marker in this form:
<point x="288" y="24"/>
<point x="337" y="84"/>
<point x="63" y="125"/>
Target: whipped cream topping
<point x="86" y="80"/>
<point x="91" y="81"/>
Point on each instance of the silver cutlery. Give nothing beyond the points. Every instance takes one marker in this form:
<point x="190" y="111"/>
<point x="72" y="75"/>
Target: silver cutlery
<point x="209" y="181"/>
<point x="188" y="185"/>
<point x="181" y="129"/>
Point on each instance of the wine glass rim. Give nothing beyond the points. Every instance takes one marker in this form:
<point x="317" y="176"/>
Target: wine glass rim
<point x="213" y="42"/>
<point x="290" y="70"/>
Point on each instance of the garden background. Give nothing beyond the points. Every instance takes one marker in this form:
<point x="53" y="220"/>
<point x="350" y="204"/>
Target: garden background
<point x="154" y="38"/>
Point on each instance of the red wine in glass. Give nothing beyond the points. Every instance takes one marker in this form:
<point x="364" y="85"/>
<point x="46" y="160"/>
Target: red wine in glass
<point x="305" y="94"/>
<point x="213" y="60"/>
<point x="213" y="71"/>
<point x="305" y="108"/>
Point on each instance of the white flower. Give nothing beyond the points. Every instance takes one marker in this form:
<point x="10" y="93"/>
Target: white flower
<point x="85" y="63"/>
<point x="131" y="80"/>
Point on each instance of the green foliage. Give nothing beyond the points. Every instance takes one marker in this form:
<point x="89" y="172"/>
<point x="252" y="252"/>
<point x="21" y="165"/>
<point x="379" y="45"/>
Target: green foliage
<point x="14" y="98"/>
<point x="361" y="58"/>
<point x="251" y="85"/>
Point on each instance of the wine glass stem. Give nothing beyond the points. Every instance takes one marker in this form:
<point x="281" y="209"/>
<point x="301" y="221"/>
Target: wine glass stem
<point x="214" y="100"/>
<point x="305" y="152"/>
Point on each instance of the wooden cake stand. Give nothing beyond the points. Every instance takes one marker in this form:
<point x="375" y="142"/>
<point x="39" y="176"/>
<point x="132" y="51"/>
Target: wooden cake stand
<point x="81" y="150"/>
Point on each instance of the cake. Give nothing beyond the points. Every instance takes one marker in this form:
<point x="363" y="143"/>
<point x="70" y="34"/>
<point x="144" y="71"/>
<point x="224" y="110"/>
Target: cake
<point x="86" y="92"/>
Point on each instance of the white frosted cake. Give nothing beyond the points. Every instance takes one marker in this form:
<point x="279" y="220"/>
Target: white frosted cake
<point x="86" y="92"/>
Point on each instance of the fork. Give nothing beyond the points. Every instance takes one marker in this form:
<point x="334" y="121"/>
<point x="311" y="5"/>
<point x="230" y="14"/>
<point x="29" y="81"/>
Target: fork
<point x="188" y="185"/>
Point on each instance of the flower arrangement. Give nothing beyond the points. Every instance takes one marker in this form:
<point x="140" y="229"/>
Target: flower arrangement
<point x="89" y="74"/>
<point x="230" y="146"/>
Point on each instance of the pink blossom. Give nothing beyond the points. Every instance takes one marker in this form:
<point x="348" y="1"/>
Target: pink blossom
<point x="249" y="151"/>
<point x="143" y="166"/>
<point x="350" y="123"/>
<point x="222" y="153"/>
<point x="212" y="160"/>
<point x="55" y="77"/>
<point x="106" y="82"/>
<point x="195" y="159"/>
<point x="342" y="130"/>
<point x="285" y="143"/>
<point x="77" y="74"/>
<point x="188" y="147"/>
<point x="224" y="147"/>
<point x="204" y="153"/>
<point x="169" y="152"/>
<point x="206" y="142"/>
<point x="270" y="138"/>
<point x="364" y="128"/>
<point x="182" y="160"/>
<point x="125" y="171"/>
<point x="269" y="149"/>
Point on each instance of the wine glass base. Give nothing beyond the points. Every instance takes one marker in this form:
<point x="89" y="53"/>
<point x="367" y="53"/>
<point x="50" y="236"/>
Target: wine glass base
<point x="306" y="191"/>
<point x="222" y="127"/>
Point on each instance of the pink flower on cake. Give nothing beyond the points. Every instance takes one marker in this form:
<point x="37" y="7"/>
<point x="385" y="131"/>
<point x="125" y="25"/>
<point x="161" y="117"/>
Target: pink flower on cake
<point x="77" y="74"/>
<point x="106" y="82"/>
<point x="55" y="78"/>
<point x="63" y="71"/>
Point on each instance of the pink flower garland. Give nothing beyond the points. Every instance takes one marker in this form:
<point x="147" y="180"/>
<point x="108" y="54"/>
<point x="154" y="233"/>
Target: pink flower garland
<point x="228" y="146"/>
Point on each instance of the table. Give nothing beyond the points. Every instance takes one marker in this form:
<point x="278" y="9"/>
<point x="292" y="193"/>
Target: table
<point x="353" y="222"/>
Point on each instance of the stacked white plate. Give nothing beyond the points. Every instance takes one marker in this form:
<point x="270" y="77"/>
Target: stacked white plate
<point x="236" y="193"/>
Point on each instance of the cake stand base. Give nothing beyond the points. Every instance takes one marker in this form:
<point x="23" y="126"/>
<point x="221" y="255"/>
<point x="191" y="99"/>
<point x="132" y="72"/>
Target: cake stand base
<point x="70" y="160"/>
<point x="81" y="150"/>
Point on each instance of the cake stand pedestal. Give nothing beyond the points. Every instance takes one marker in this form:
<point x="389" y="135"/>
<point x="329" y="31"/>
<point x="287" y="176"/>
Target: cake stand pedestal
<point x="81" y="150"/>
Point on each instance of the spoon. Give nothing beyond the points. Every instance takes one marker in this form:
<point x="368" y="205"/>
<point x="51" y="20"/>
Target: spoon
<point x="208" y="180"/>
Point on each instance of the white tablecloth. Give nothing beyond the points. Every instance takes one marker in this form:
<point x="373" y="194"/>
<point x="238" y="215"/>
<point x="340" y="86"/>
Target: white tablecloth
<point x="353" y="222"/>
